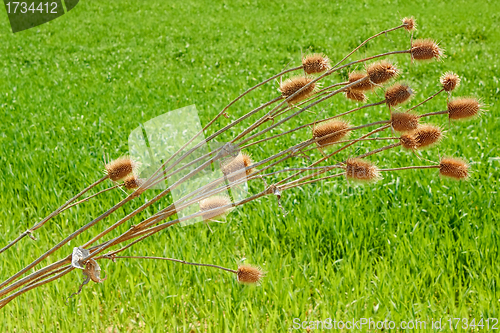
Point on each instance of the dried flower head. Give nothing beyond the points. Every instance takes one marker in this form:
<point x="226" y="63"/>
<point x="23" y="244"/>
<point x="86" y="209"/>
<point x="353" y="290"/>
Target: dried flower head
<point x="381" y="72"/>
<point x="213" y="203"/>
<point x="453" y="168"/>
<point x="315" y="63"/>
<point x="404" y="121"/>
<point x="237" y="165"/>
<point x="291" y="86"/>
<point x="409" y="23"/>
<point x="362" y="86"/>
<point x="449" y="81"/>
<point x="119" y="168"/>
<point x="132" y="182"/>
<point x="397" y="94"/>
<point x="462" y="108"/>
<point x="427" y="135"/>
<point x="334" y="129"/>
<point x="408" y="141"/>
<point x="249" y="274"/>
<point x="360" y="170"/>
<point x="355" y="95"/>
<point x="426" y="49"/>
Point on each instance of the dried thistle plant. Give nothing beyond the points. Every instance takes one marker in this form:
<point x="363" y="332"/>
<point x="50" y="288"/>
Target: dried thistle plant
<point x="331" y="136"/>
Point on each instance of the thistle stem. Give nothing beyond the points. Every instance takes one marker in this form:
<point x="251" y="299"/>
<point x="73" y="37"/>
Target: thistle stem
<point x="433" y="113"/>
<point x="51" y="215"/>
<point x="366" y="41"/>
<point x="174" y="260"/>
<point x="426" y="100"/>
<point x="92" y="196"/>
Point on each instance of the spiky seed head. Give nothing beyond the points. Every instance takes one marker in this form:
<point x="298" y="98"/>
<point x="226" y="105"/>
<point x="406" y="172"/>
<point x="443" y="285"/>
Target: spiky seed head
<point x="355" y="95"/>
<point x="119" y="168"/>
<point x="409" y="23"/>
<point x="132" y="182"/>
<point x="360" y="170"/>
<point x="334" y="129"/>
<point x="315" y="63"/>
<point x="213" y="203"/>
<point x="249" y="274"/>
<point x="463" y="107"/>
<point x="449" y="81"/>
<point x="238" y="165"/>
<point x="404" y="121"/>
<point x="408" y="141"/>
<point x="426" y="49"/>
<point x="362" y="86"/>
<point x="397" y="94"/>
<point x="427" y="135"/>
<point x="381" y="72"/>
<point x="453" y="168"/>
<point x="291" y="86"/>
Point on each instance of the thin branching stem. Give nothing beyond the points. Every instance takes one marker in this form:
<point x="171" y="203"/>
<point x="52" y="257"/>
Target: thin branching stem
<point x="51" y="215"/>
<point x="92" y="196"/>
<point x="174" y="260"/>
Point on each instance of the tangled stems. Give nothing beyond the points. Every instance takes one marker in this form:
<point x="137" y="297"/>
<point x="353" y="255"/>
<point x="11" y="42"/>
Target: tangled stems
<point x="145" y="228"/>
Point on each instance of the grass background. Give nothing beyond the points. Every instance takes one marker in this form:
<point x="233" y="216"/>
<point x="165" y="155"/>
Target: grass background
<point x="412" y="246"/>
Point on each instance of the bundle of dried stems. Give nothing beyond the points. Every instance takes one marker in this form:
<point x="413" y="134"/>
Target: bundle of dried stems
<point x="298" y="94"/>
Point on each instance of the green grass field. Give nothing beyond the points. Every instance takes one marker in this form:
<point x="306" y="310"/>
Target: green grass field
<point x="411" y="246"/>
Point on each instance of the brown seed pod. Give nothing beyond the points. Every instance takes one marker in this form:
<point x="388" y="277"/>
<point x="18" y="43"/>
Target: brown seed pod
<point x="355" y="95"/>
<point x="397" y="94"/>
<point x="238" y="165"/>
<point x="449" y="81"/>
<point x="249" y="274"/>
<point x="426" y="49"/>
<point x="404" y="121"/>
<point x="132" y="182"/>
<point x="119" y="168"/>
<point x="291" y="86"/>
<point x="381" y="72"/>
<point x="426" y="135"/>
<point x="334" y="129"/>
<point x="409" y="23"/>
<point x="408" y="141"/>
<point x="315" y="63"/>
<point x="362" y="86"/>
<point x="213" y="203"/>
<point x="462" y="108"/>
<point x="453" y="168"/>
<point x="360" y="170"/>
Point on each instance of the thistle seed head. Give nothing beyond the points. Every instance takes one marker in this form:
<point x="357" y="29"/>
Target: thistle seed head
<point x="427" y="135"/>
<point x="213" y="203"/>
<point x="397" y="94"/>
<point x="453" y="168"/>
<point x="426" y="49"/>
<point x="404" y="121"/>
<point x="355" y="95"/>
<point x="408" y="141"/>
<point x="362" y="86"/>
<point x="462" y="108"/>
<point x="449" y="81"/>
<point x="249" y="274"/>
<point x="132" y="182"/>
<point x="360" y="170"/>
<point x="119" y="168"/>
<point x="238" y="165"/>
<point x="409" y="23"/>
<point x="315" y="63"/>
<point x="381" y="72"/>
<point x="290" y="86"/>
<point x="335" y="129"/>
